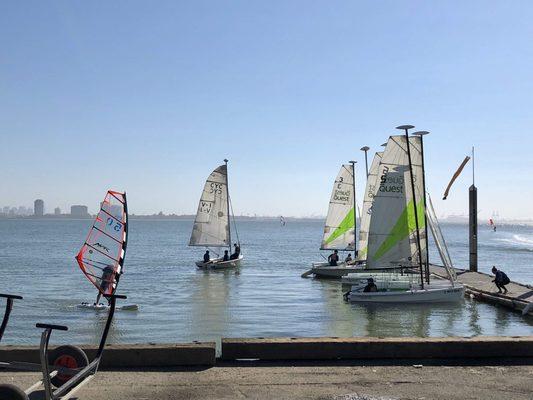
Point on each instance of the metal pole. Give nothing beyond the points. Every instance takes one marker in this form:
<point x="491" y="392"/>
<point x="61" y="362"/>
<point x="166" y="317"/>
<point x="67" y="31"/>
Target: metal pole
<point x="422" y="134"/>
<point x="472" y="199"/>
<point x="227" y="196"/>
<point x="365" y="149"/>
<point x="354" y="215"/>
<point x="406" y="129"/>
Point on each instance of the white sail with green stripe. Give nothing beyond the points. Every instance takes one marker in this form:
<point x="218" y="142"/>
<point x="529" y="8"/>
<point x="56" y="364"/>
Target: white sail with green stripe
<point x="339" y="228"/>
<point x="392" y="229"/>
<point x="366" y="214"/>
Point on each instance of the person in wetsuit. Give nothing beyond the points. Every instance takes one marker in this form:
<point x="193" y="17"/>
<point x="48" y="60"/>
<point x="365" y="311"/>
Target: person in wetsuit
<point x="370" y="286"/>
<point x="105" y="282"/>
<point x="226" y="256"/>
<point x="500" y="279"/>
<point x="333" y="258"/>
<point x="207" y="257"/>
<point x="237" y="252"/>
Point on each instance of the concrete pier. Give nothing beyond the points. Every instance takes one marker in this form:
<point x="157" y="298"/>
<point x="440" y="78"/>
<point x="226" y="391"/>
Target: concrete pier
<point x="130" y="355"/>
<point x="480" y="286"/>
<point x="377" y="348"/>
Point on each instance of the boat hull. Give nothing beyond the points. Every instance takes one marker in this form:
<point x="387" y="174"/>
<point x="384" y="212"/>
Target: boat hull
<point x="219" y="264"/>
<point x="431" y="294"/>
<point x="324" y="270"/>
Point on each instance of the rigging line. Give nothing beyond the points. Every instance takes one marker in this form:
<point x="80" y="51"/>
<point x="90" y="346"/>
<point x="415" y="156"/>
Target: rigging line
<point x="92" y="263"/>
<point x="234" y="224"/>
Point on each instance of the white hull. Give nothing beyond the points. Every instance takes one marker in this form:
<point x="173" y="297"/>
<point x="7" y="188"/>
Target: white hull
<point x="324" y="270"/>
<point x="438" y="293"/>
<point x="219" y="264"/>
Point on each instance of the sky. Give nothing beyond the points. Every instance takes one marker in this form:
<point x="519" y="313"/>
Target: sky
<point x="149" y="97"/>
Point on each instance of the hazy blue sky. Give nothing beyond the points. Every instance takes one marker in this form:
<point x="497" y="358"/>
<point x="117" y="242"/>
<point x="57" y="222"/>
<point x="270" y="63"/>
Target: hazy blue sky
<point x="151" y="96"/>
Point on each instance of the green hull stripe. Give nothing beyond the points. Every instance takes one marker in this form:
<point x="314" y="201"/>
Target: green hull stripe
<point x="404" y="226"/>
<point x="345" y="226"/>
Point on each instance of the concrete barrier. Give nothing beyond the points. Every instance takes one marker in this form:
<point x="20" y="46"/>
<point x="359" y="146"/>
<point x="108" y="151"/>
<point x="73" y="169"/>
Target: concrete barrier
<point x="130" y="356"/>
<point x="376" y="348"/>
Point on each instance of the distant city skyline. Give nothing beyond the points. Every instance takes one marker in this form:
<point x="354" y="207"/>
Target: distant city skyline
<point x="92" y="99"/>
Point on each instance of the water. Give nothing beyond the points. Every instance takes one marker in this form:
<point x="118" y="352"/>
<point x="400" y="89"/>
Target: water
<point x="266" y="297"/>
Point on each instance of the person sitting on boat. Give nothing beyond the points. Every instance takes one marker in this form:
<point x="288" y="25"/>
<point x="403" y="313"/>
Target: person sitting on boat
<point x="348" y="258"/>
<point x="500" y="279"/>
<point x="226" y="256"/>
<point x="370" y="286"/>
<point x="333" y="258"/>
<point x="237" y="252"/>
<point x="105" y="281"/>
<point x="207" y="257"/>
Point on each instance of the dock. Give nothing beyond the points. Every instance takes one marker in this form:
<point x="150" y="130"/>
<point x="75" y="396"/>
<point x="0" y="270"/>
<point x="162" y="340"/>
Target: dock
<point x="479" y="286"/>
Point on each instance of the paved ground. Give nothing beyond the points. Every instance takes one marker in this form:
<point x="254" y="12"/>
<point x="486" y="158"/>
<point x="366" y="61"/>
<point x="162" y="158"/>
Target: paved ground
<point x="342" y="382"/>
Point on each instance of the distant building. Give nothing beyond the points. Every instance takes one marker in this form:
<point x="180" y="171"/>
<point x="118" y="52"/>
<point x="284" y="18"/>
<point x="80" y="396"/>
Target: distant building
<point x="38" y="208"/>
<point x="57" y="211"/>
<point x="79" y="211"/>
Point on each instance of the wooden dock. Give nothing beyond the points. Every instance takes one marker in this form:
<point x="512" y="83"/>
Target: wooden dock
<point x="480" y="286"/>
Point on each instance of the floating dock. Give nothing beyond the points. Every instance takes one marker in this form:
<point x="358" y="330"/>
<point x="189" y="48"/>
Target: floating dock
<point x="480" y="286"/>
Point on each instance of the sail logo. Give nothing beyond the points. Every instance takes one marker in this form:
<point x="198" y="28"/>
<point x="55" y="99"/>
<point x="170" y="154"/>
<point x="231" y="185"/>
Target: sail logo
<point x="342" y="195"/>
<point x="97" y="244"/>
<point x="391" y="182"/>
<point x="216" y="188"/>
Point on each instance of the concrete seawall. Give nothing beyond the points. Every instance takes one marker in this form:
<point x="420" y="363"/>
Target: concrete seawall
<point x="376" y="348"/>
<point x="204" y="354"/>
<point x="131" y="355"/>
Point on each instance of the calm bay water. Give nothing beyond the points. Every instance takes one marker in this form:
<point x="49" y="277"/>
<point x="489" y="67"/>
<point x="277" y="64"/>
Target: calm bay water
<point x="265" y="297"/>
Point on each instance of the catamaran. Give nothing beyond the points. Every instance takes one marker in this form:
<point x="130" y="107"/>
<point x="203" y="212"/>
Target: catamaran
<point x="212" y="225"/>
<point x="397" y="236"/>
<point x="101" y="258"/>
<point x="340" y="226"/>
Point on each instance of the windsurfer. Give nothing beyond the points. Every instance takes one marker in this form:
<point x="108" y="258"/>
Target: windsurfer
<point x="333" y="258"/>
<point x="105" y="281"/>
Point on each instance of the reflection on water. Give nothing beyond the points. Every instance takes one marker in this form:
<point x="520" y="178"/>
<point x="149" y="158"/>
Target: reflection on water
<point x="265" y="298"/>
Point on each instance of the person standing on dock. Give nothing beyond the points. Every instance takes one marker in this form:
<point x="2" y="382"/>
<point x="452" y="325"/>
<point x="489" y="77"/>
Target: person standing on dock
<point x="500" y="279"/>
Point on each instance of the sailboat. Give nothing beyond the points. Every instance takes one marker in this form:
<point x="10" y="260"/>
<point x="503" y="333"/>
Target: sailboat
<point x="212" y="225"/>
<point x="101" y="258"/>
<point x="397" y="236"/>
<point x="340" y="225"/>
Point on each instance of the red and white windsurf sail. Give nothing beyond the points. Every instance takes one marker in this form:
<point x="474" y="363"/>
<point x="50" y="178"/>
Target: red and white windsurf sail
<point x="101" y="257"/>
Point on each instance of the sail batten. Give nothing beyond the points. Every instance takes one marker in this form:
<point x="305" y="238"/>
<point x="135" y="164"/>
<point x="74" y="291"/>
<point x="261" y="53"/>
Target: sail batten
<point x="101" y="258"/>
<point x="340" y="223"/>
<point x="211" y="225"/>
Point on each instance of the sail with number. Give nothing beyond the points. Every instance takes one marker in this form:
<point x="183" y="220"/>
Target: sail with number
<point x="340" y="225"/>
<point x="392" y="231"/>
<point x="211" y="225"/>
<point x="101" y="257"/>
<point x="366" y="214"/>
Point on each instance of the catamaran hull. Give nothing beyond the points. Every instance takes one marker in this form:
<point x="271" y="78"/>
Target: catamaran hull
<point x="429" y="295"/>
<point x="219" y="264"/>
<point x="105" y="307"/>
<point x="324" y="270"/>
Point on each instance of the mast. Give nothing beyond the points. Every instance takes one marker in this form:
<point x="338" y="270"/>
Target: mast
<point x="365" y="149"/>
<point x="227" y="196"/>
<point x="422" y="134"/>
<point x="354" y="215"/>
<point x="472" y="194"/>
<point x="406" y="129"/>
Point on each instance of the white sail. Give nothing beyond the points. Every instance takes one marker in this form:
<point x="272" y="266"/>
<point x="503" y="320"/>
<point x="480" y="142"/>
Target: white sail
<point x="370" y="191"/>
<point x="211" y="226"/>
<point x="339" y="228"/>
<point x="392" y="231"/>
